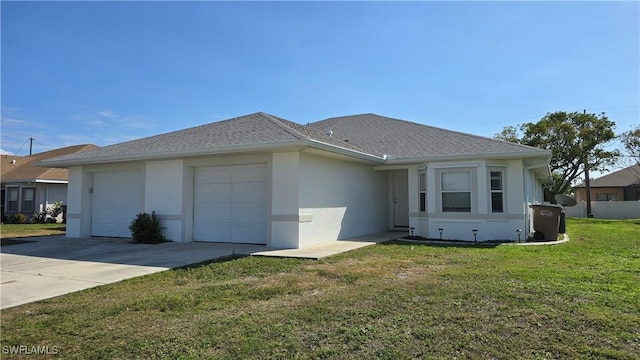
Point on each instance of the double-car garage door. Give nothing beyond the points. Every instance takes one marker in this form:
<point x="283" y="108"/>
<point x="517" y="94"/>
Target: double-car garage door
<point x="230" y="204"/>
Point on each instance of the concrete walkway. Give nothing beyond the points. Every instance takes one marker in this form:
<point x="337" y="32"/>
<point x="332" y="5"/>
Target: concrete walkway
<point x="323" y="250"/>
<point x="50" y="266"/>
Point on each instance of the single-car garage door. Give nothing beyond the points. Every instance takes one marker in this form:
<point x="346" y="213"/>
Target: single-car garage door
<point x="230" y="204"/>
<point x="118" y="196"/>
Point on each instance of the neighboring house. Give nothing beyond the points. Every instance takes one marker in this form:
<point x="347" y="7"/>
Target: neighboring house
<point x="621" y="185"/>
<point x="27" y="188"/>
<point x="262" y="179"/>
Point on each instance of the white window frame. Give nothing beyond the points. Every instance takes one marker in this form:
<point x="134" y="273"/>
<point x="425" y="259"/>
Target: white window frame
<point x="422" y="191"/>
<point x="497" y="191"/>
<point x="468" y="191"/>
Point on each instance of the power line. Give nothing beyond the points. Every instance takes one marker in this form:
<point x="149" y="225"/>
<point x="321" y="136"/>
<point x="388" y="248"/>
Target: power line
<point x="31" y="140"/>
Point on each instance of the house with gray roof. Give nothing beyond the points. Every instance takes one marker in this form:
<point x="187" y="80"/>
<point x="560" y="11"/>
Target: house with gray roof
<point x="262" y="179"/>
<point x="621" y="185"/>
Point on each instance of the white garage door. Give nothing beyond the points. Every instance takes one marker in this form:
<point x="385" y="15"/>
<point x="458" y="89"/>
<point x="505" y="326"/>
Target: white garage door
<point x="230" y="204"/>
<point x="118" y="196"/>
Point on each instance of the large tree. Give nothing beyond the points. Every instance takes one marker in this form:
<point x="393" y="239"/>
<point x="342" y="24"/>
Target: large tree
<point x="631" y="141"/>
<point x="576" y="139"/>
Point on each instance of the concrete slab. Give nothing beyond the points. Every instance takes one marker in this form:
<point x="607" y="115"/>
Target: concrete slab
<point x="323" y="250"/>
<point x="51" y="266"/>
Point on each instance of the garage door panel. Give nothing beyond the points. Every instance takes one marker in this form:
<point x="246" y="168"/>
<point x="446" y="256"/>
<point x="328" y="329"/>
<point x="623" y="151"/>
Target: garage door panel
<point x="118" y="196"/>
<point x="219" y="212"/>
<point x="215" y="192"/>
<point x="230" y="203"/>
<point x="248" y="211"/>
<point x="249" y="192"/>
<point x="213" y="175"/>
<point x="219" y="232"/>
<point x="253" y="173"/>
<point x="247" y="233"/>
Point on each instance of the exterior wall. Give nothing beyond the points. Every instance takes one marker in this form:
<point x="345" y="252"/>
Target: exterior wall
<point x="79" y="203"/>
<point x="163" y="183"/>
<point x="340" y="199"/>
<point x="581" y="193"/>
<point x="285" y="200"/>
<point x="459" y="225"/>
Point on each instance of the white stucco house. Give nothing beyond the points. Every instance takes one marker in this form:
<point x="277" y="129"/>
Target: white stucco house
<point x="262" y="179"/>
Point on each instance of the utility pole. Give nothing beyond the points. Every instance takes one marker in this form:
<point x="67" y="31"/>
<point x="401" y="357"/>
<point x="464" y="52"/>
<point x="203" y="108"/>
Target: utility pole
<point x="587" y="184"/>
<point x="587" y="181"/>
<point x="30" y="146"/>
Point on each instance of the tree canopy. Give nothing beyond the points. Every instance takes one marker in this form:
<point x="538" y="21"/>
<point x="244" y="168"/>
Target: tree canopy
<point x="576" y="140"/>
<point x="631" y="141"/>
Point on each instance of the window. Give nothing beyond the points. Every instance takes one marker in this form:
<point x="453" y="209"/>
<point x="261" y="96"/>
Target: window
<point x="12" y="199"/>
<point x="28" y="197"/>
<point x="607" y="197"/>
<point x="455" y="188"/>
<point x="423" y="192"/>
<point x="497" y="192"/>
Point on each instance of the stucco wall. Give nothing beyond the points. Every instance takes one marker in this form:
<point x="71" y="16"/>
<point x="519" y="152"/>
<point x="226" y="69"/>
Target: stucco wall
<point x="490" y="226"/>
<point x="164" y="182"/>
<point x="285" y="200"/>
<point x="340" y="199"/>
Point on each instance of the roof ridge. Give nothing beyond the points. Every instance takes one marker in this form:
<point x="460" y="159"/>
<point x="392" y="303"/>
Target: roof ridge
<point x="281" y="123"/>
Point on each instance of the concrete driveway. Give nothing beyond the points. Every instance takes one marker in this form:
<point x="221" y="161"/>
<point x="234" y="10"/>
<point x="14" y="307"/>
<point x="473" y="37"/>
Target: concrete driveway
<point x="50" y="266"/>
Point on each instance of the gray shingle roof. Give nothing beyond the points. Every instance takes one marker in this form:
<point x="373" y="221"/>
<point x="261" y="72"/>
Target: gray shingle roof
<point x="370" y="134"/>
<point x="383" y="135"/>
<point x="621" y="178"/>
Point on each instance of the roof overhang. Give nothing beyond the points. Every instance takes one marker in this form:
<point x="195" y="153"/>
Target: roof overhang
<point x="543" y="154"/>
<point x="217" y="151"/>
<point x="34" y="181"/>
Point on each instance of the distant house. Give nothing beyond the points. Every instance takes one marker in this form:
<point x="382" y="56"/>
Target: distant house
<point x="621" y="185"/>
<point x="27" y="188"/>
<point x="262" y="179"/>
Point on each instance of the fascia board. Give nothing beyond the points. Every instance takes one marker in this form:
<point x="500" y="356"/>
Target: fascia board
<point x="19" y="182"/>
<point x="344" y="151"/>
<point x="297" y="145"/>
<point x="490" y="156"/>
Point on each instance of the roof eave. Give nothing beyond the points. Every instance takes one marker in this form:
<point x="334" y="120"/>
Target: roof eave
<point x="488" y="156"/>
<point x="344" y="151"/>
<point x="165" y="155"/>
<point x="35" y="181"/>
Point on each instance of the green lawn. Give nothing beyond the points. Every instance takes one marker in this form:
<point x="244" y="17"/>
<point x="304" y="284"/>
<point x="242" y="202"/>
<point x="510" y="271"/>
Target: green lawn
<point x="25" y="230"/>
<point x="579" y="300"/>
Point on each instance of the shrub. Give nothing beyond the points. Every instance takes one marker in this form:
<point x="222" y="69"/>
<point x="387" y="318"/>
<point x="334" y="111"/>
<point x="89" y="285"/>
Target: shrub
<point x="146" y="229"/>
<point x="18" y="218"/>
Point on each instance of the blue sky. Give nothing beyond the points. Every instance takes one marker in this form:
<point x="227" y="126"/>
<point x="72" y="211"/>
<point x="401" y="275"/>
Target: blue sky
<point x="108" y="72"/>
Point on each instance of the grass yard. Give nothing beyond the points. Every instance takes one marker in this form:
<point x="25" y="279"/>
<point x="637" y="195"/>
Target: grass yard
<point x="579" y="300"/>
<point x="8" y="231"/>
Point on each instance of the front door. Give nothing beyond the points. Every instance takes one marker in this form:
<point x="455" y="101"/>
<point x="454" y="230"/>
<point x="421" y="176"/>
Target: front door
<point x="400" y="198"/>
